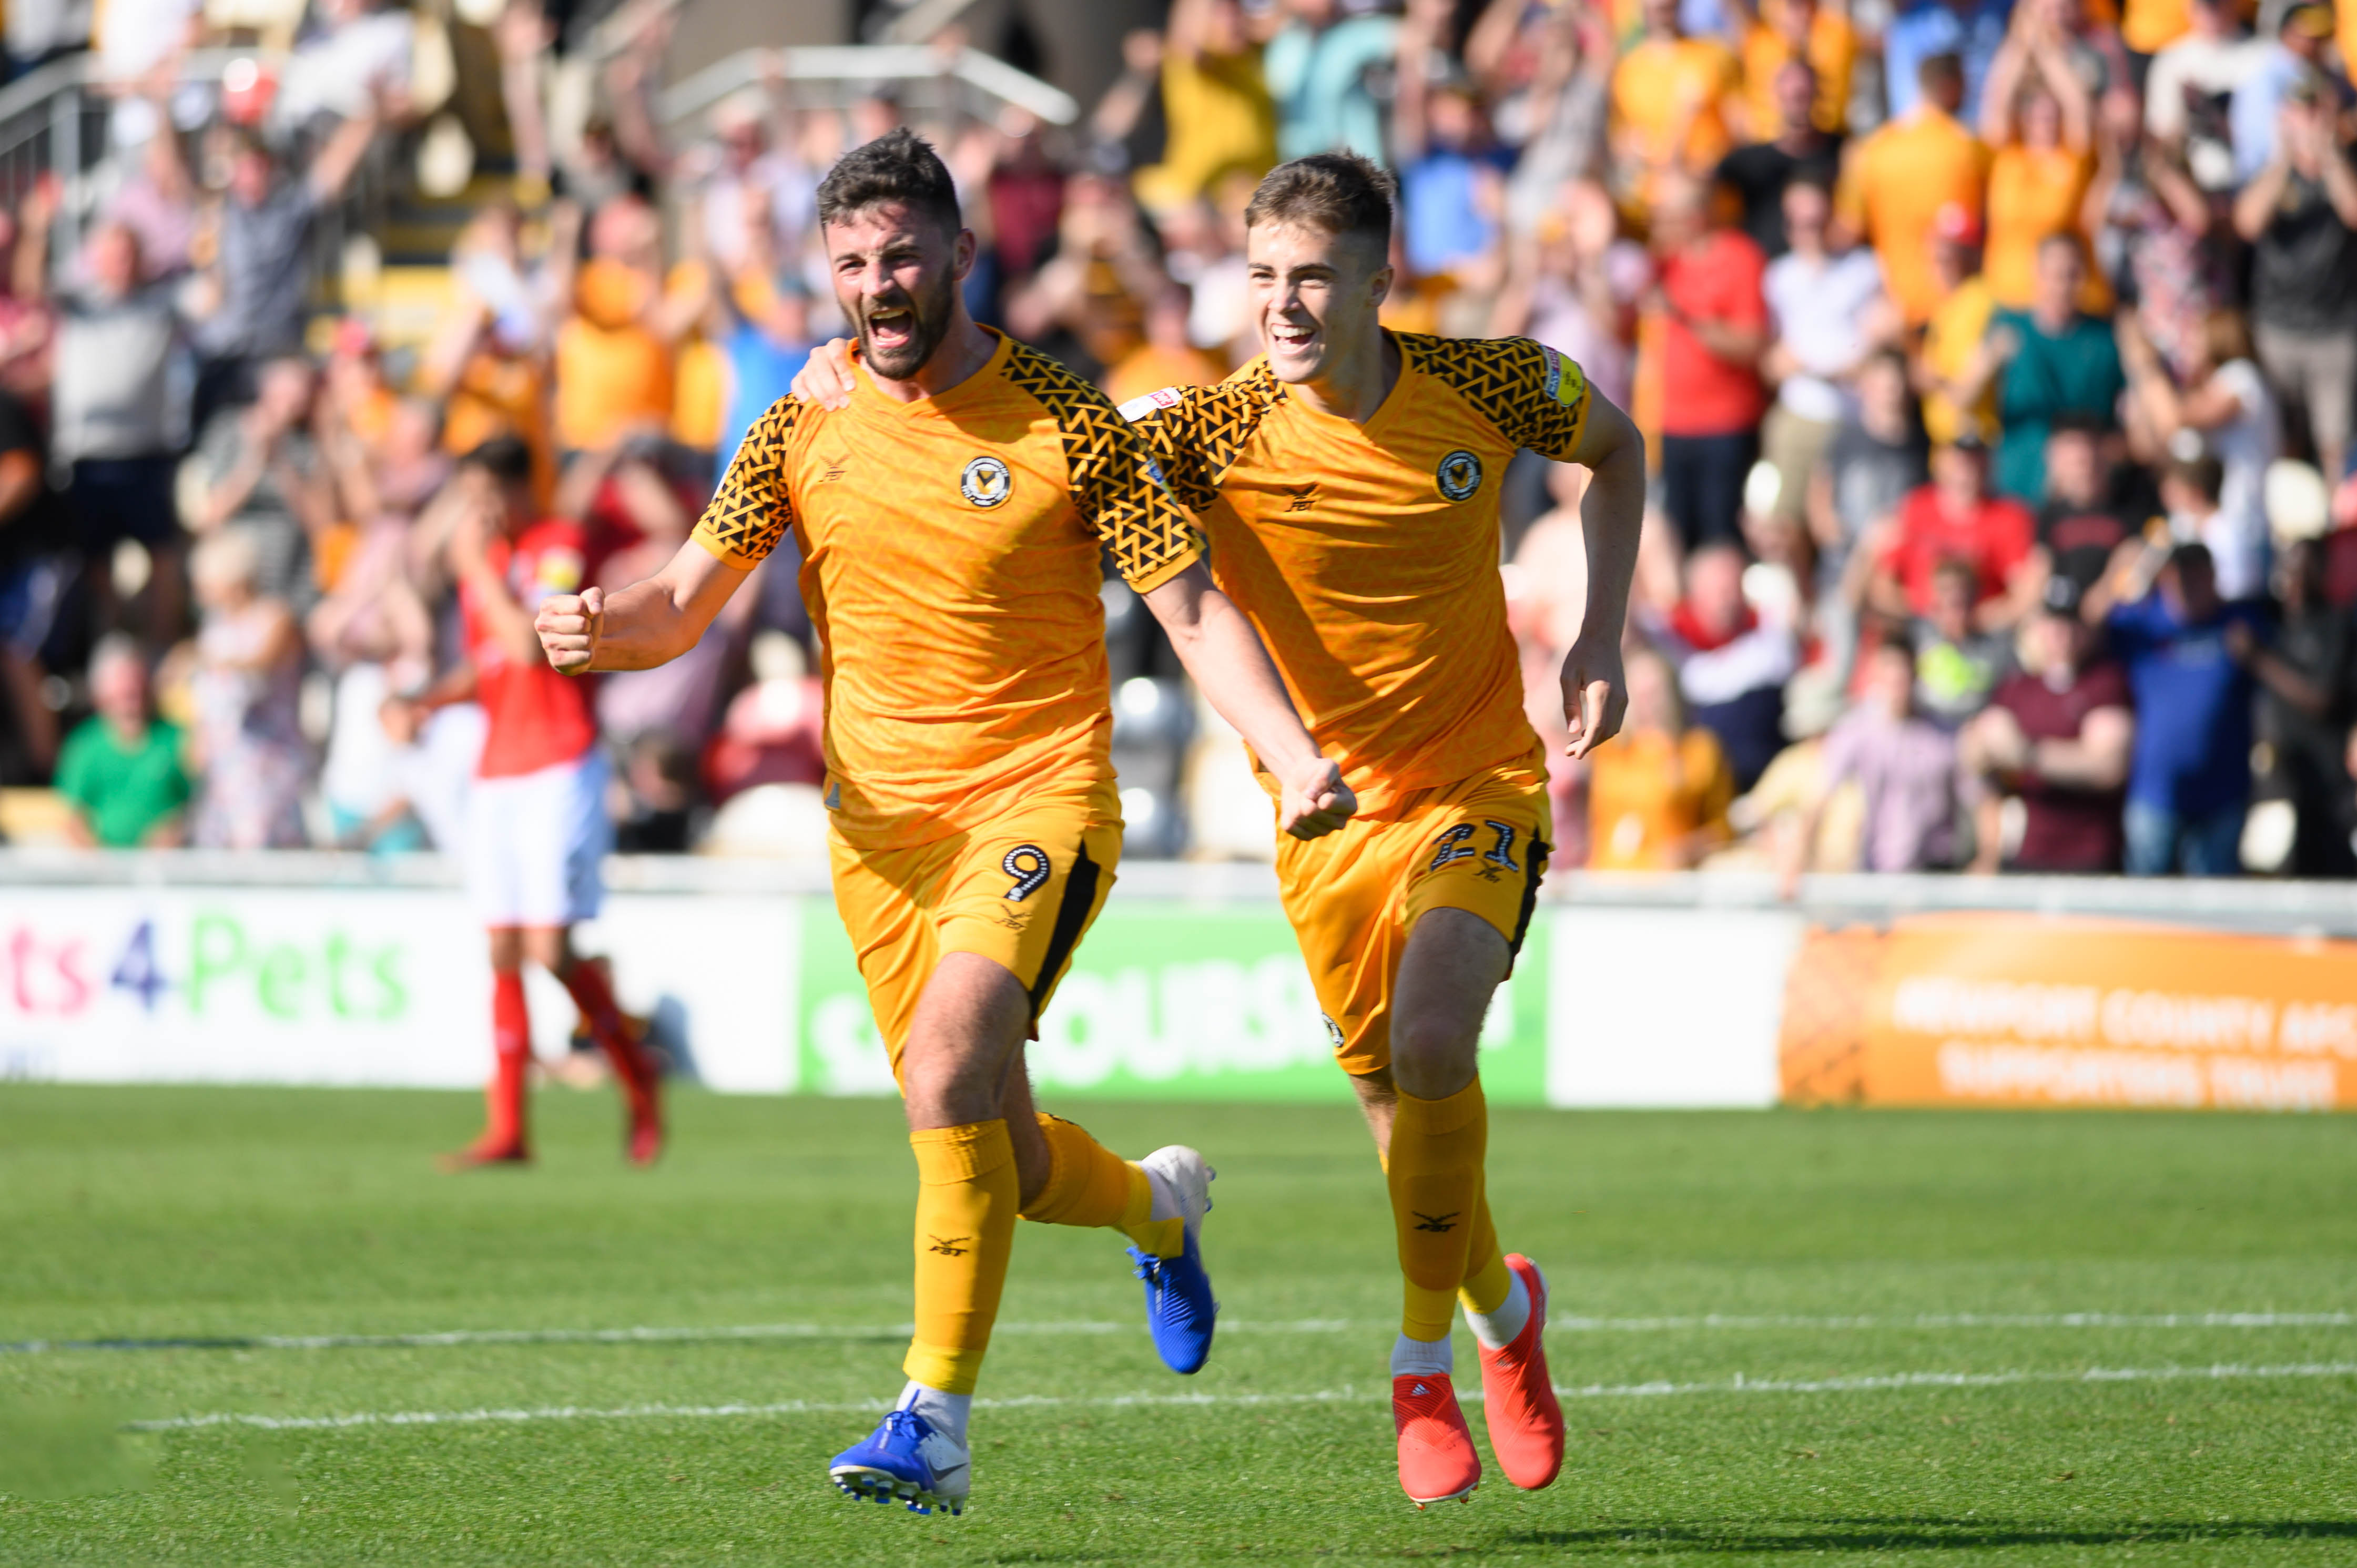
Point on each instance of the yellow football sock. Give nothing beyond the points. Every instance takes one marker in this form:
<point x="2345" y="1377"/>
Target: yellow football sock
<point x="1089" y="1185"/>
<point x="966" y="1200"/>
<point x="1435" y="1186"/>
<point x="1487" y="1280"/>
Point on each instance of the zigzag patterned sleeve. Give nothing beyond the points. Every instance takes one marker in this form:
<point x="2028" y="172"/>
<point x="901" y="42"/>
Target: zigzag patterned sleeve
<point x="1115" y="482"/>
<point x="1121" y="487"/>
<point x="751" y="511"/>
<point x="1535" y="396"/>
<point x="1196" y="433"/>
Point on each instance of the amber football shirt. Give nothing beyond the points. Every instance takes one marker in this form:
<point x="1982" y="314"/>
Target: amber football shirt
<point x="1368" y="555"/>
<point x="951" y="567"/>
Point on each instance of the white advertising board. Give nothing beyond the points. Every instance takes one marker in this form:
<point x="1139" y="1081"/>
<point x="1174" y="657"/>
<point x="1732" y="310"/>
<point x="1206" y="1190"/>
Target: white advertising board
<point x="375" y="986"/>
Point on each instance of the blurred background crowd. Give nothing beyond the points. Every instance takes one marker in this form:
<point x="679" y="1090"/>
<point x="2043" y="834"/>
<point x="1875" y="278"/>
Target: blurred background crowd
<point x="1998" y="362"/>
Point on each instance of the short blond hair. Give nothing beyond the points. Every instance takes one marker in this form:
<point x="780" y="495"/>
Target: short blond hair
<point x="1341" y="193"/>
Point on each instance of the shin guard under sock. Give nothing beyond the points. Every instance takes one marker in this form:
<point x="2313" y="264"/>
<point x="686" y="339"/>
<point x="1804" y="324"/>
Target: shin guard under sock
<point x="1435" y="1176"/>
<point x="967" y="1196"/>
<point x="1488" y="1281"/>
<point x="1089" y="1185"/>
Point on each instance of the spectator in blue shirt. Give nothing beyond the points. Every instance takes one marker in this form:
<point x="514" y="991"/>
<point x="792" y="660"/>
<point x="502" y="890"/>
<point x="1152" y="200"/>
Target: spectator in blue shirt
<point x="1452" y="176"/>
<point x="2298" y="57"/>
<point x="1319" y="68"/>
<point x="2186" y="652"/>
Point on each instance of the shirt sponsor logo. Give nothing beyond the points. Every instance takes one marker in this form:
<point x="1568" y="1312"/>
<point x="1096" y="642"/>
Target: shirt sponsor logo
<point x="1459" y="474"/>
<point x="986" y="483"/>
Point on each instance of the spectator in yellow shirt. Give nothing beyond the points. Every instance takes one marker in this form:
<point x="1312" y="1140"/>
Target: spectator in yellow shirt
<point x="1671" y="98"/>
<point x="1952" y="337"/>
<point x="1657" y="797"/>
<point x="1808" y="30"/>
<point x="615" y="352"/>
<point x="1215" y="103"/>
<point x="2036" y="114"/>
<point x="1901" y="178"/>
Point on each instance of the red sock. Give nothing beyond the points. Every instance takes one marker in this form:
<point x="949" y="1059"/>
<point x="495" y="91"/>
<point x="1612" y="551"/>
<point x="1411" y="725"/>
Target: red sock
<point x="512" y="1043"/>
<point x="587" y="983"/>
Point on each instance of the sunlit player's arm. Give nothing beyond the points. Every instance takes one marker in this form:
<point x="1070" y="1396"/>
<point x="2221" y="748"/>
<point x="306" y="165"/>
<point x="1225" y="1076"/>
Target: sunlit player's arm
<point x="1595" y="692"/>
<point x="1224" y="658"/>
<point x="644" y="625"/>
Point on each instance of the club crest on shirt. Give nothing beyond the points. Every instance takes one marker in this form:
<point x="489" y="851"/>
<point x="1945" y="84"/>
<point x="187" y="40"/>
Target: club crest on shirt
<point x="1459" y="474"/>
<point x="986" y="483"/>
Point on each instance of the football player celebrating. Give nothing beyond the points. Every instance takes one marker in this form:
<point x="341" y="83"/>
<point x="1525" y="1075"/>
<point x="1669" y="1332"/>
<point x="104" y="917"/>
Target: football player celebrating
<point x="1349" y="482"/>
<point x="951" y="517"/>
<point x="536" y="825"/>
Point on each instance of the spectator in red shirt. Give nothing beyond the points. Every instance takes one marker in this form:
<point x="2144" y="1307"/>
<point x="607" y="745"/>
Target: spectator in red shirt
<point x="2057" y="738"/>
<point x="537" y="826"/>
<point x="1954" y="518"/>
<point x="1713" y="329"/>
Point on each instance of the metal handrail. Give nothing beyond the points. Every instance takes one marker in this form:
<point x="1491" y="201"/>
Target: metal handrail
<point x="859" y="67"/>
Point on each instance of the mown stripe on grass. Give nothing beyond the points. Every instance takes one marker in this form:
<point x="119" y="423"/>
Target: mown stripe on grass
<point x="1738" y="1384"/>
<point x="718" y="1335"/>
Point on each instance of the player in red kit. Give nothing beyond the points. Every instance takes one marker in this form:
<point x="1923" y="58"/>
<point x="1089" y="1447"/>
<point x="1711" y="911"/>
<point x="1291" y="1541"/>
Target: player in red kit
<point x="536" y="816"/>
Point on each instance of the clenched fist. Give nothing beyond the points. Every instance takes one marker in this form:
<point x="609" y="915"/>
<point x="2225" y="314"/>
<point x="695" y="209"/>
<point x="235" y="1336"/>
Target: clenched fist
<point x="568" y="626"/>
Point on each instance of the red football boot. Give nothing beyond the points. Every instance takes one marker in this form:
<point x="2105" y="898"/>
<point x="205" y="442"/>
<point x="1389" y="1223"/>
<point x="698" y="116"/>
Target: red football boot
<point x="487" y="1150"/>
<point x="1518" y="1397"/>
<point x="646" y="1140"/>
<point x="1436" y="1461"/>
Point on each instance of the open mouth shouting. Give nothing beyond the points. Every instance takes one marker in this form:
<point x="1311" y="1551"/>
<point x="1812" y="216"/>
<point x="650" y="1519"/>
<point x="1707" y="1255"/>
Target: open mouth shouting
<point x="893" y="330"/>
<point x="1292" y="340"/>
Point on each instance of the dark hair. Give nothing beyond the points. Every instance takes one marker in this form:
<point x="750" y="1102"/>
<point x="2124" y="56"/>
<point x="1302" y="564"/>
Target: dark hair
<point x="2193" y="555"/>
<point x="1893" y="639"/>
<point x="504" y="457"/>
<point x="2094" y="426"/>
<point x="898" y="165"/>
<point x="1957" y="566"/>
<point x="1940" y="68"/>
<point x="2205" y="474"/>
<point x="1342" y="193"/>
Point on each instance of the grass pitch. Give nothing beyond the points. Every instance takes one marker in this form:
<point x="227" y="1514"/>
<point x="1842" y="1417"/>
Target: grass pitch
<point x="1895" y="1293"/>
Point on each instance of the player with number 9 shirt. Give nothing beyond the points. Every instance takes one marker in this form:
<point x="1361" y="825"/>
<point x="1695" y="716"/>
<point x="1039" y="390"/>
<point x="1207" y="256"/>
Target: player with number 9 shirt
<point x="951" y="518"/>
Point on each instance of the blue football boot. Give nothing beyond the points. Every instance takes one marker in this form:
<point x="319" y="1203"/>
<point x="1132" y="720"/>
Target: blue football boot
<point x="1180" y="1310"/>
<point x="905" y="1460"/>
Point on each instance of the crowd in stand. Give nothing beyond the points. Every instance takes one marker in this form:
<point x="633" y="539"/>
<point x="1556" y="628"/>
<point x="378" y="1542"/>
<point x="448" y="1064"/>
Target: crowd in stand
<point x="1999" y="364"/>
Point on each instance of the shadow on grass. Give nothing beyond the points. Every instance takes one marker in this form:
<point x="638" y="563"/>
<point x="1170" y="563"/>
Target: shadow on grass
<point x="1915" y="1534"/>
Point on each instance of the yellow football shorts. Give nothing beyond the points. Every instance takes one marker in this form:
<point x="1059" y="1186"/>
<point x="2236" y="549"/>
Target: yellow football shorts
<point x="1480" y="844"/>
<point x="1020" y="891"/>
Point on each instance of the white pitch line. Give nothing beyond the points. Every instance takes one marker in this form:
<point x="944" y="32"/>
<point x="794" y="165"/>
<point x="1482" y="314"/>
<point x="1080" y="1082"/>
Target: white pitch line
<point x="758" y="1331"/>
<point x="1738" y="1384"/>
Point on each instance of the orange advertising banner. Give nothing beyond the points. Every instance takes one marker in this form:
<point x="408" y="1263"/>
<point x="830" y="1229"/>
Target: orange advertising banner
<point x="2027" y="1010"/>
